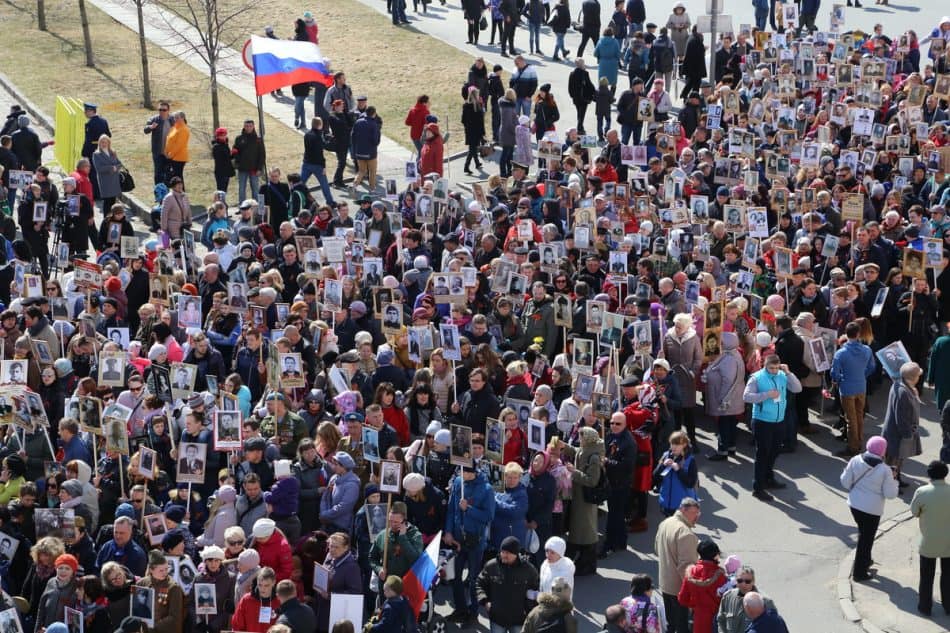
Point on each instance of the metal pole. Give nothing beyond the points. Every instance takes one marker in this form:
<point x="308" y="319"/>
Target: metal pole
<point x="712" y="45"/>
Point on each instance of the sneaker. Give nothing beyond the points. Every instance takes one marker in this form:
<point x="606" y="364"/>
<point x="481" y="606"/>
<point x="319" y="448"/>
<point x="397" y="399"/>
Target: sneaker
<point x="762" y="495"/>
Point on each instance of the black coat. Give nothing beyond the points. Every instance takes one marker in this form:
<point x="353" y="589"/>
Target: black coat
<point x="313" y="148"/>
<point x="477" y="406"/>
<point x="298" y="616"/>
<point x="250" y="152"/>
<point x="27" y="147"/>
<point x="620" y="459"/>
<point x="694" y="61"/>
<point x="561" y="20"/>
<point x="791" y="350"/>
<point x="505" y="587"/>
<point x="473" y="120"/>
<point x="579" y="86"/>
<point x="590" y="18"/>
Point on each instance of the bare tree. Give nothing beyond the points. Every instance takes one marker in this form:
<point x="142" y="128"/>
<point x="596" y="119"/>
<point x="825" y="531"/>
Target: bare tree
<point x="86" y="37"/>
<point x="214" y="29"/>
<point x="41" y="14"/>
<point x="143" y="51"/>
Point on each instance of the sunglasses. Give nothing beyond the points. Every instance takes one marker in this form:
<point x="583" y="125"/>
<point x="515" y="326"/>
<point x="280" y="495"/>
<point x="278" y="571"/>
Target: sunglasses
<point x="744" y="582"/>
<point x="238" y="542"/>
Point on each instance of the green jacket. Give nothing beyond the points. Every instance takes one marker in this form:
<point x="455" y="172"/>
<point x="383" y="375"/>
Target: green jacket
<point x="931" y="506"/>
<point x="289" y="431"/>
<point x="404" y="550"/>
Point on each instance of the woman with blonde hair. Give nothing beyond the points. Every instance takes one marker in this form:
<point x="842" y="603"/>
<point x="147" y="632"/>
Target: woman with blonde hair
<point x="106" y="166"/>
<point x="44" y="555"/>
<point x="511" y="508"/>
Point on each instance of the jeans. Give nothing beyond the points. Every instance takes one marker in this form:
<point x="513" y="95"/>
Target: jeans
<point x="853" y="407"/>
<point x="768" y="439"/>
<point x="616" y="533"/>
<point x="925" y="590"/>
<point x="497" y="628"/>
<point x="559" y="44"/>
<point x="761" y="17"/>
<point x="867" y="528"/>
<point x="504" y="162"/>
<point x="158" y="164"/>
<point x="495" y="120"/>
<point x="320" y="171"/>
<point x="399" y="11"/>
<point x="626" y="130"/>
<point x="676" y="615"/>
<point x="523" y="106"/>
<point x="243" y="178"/>
<point x="603" y="125"/>
<point x="471" y="559"/>
<point x="534" y="36"/>
<point x="727" y="433"/>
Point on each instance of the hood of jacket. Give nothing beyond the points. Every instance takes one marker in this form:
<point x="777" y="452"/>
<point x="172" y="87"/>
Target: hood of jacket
<point x="553" y="605"/>
<point x="730" y="341"/>
<point x="84" y="472"/>
<point x="704" y="573"/>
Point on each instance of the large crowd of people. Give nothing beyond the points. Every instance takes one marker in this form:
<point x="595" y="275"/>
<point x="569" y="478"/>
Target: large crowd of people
<point x="243" y="425"/>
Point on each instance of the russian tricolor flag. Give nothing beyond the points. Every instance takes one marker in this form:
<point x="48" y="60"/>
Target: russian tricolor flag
<point x="280" y="63"/>
<point x="417" y="582"/>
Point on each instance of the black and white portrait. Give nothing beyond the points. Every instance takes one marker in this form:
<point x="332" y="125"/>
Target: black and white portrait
<point x="390" y="477"/>
<point x="13" y="371"/>
<point x="227" y="430"/>
<point x="192" y="458"/>
<point x="142" y="605"/>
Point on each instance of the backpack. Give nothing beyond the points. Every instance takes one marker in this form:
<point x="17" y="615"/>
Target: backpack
<point x="663" y="58"/>
<point x="597" y="494"/>
<point x="552" y="626"/>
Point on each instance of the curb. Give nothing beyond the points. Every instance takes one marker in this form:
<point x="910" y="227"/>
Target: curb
<point x="141" y="209"/>
<point x="844" y="587"/>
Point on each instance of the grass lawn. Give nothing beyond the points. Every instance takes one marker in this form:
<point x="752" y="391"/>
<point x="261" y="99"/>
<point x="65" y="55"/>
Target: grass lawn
<point x="392" y="66"/>
<point x="45" y="65"/>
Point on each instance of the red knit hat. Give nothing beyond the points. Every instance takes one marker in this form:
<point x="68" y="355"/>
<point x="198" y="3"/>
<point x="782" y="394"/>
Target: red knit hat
<point x="190" y="289"/>
<point x="67" y="559"/>
<point x="113" y="284"/>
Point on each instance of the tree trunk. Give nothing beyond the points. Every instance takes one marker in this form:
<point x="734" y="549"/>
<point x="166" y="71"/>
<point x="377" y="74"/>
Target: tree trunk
<point x="143" y="48"/>
<point x="213" y="74"/>
<point x="86" y="37"/>
<point x="41" y="14"/>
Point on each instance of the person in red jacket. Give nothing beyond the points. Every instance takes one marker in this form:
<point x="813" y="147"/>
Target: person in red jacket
<point x="81" y="175"/>
<point x="273" y="548"/>
<point x="260" y="604"/>
<point x="640" y="421"/>
<point x="699" y="587"/>
<point x="416" y="120"/>
<point x="430" y="156"/>
<point x="516" y="442"/>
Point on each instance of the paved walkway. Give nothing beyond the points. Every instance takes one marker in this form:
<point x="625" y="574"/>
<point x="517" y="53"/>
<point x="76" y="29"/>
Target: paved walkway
<point x="888" y="602"/>
<point x="166" y="30"/>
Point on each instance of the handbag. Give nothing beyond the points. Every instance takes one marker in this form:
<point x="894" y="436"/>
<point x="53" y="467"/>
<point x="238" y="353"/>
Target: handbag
<point x="483" y="23"/>
<point x="597" y="494"/>
<point x="485" y="150"/>
<point x="126" y="182"/>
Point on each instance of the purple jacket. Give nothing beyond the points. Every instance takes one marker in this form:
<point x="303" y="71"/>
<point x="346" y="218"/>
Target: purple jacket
<point x="283" y="497"/>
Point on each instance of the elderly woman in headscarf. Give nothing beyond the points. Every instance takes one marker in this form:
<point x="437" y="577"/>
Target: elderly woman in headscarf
<point x="586" y="471"/>
<point x="902" y="419"/>
<point x="222" y="515"/>
<point x="714" y="267"/>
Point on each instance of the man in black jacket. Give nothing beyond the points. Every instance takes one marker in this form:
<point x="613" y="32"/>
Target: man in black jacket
<point x="582" y="91"/>
<point x="511" y="15"/>
<point x="249" y="157"/>
<point x="619" y="465"/>
<point x="503" y="584"/>
<point x="293" y="613"/>
<point x="590" y="24"/>
<point x="159" y="126"/>
<point x="26" y="145"/>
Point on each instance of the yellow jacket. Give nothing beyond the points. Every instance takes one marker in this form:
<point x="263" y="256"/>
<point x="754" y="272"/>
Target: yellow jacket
<point x="176" y="145"/>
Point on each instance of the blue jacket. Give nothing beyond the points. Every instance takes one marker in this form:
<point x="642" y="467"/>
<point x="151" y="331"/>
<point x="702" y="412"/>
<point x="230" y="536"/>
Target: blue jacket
<point x="365" y="137"/>
<point x="395" y="617"/>
<point x="132" y="556"/>
<point x="339" y="500"/>
<point x="481" y="507"/>
<point x="511" y="513"/>
<point x="675" y="485"/>
<point x="768" y="622"/>
<point x="607" y="53"/>
<point x="851" y="367"/>
<point x="76" y="448"/>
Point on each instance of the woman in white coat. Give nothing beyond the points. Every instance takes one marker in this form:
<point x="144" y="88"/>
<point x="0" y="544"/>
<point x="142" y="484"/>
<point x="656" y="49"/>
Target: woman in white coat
<point x="869" y="482"/>
<point x="555" y="565"/>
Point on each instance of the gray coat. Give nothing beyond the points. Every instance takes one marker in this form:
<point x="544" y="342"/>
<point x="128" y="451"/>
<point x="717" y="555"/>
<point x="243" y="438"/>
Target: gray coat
<point x="725" y="380"/>
<point x="902" y="422"/>
<point x="53" y="601"/>
<point x="732" y="617"/>
<point x="509" y="121"/>
<point x="588" y="462"/>
<point x="685" y="356"/>
<point x="107" y="171"/>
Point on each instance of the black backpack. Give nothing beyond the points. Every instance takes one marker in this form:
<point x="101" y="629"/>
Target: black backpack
<point x="663" y="58"/>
